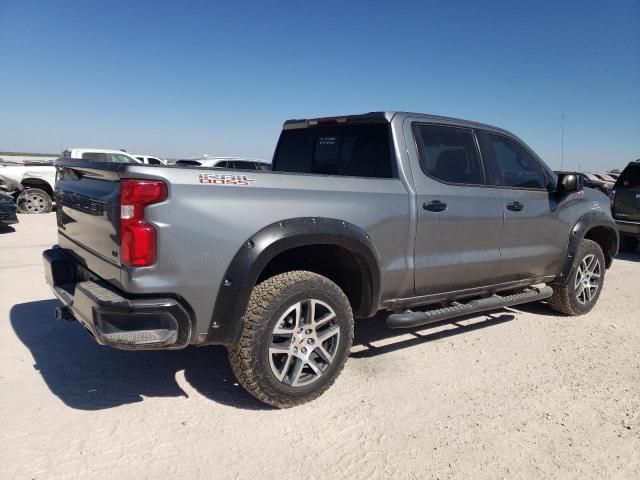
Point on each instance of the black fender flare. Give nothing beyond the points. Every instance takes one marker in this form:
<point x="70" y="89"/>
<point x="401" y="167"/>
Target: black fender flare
<point x="596" y="218"/>
<point x="258" y="250"/>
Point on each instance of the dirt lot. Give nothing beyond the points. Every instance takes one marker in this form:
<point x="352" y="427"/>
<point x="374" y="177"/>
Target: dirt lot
<point x="515" y="394"/>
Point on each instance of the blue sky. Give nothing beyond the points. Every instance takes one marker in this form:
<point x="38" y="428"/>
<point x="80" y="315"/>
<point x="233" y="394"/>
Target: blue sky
<point x="185" y="78"/>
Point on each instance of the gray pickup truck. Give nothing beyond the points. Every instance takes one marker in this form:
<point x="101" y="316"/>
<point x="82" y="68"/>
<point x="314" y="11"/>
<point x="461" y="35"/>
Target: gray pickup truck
<point x="425" y="217"/>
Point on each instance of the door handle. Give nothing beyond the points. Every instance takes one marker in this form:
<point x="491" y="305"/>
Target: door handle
<point x="515" y="206"/>
<point x="435" y="206"/>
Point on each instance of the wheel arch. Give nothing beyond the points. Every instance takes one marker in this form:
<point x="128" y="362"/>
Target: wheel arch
<point x="594" y="226"/>
<point x="314" y="244"/>
<point x="32" y="182"/>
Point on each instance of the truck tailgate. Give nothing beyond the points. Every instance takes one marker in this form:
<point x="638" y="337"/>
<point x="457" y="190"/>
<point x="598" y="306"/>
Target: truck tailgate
<point x="87" y="198"/>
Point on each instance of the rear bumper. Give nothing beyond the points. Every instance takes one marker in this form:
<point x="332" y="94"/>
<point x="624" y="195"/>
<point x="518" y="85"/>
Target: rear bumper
<point x="628" y="228"/>
<point x="109" y="316"/>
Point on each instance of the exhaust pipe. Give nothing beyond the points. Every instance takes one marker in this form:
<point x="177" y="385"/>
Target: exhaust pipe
<point x="64" y="313"/>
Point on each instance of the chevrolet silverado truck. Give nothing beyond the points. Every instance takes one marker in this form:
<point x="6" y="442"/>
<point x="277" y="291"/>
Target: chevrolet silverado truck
<point x="425" y="217"/>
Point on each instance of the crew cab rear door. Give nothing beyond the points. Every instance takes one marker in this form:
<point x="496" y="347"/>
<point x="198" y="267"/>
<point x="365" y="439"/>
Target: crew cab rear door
<point x="459" y="218"/>
<point x="534" y="237"/>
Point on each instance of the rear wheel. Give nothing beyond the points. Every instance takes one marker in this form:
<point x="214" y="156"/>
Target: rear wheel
<point x="296" y="338"/>
<point x="579" y="294"/>
<point x="628" y="244"/>
<point x="34" y="200"/>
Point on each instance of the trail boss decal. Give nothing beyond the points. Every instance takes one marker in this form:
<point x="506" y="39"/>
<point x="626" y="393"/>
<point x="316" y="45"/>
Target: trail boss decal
<point x="224" y="179"/>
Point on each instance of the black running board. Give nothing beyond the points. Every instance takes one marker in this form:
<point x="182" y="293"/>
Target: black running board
<point x="414" y="319"/>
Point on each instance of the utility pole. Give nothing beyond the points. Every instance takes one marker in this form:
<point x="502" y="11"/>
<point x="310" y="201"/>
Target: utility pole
<point x="562" y="145"/>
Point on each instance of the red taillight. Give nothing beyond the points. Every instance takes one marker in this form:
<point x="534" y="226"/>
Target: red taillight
<point x="137" y="237"/>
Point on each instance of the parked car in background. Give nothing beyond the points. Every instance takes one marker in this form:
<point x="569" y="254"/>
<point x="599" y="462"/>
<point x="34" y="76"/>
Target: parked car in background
<point x="232" y="163"/>
<point x="592" y="181"/>
<point x="605" y="177"/>
<point x="8" y="209"/>
<point x="101" y="155"/>
<point x="625" y="206"/>
<point x="31" y="185"/>
<point x="149" y="160"/>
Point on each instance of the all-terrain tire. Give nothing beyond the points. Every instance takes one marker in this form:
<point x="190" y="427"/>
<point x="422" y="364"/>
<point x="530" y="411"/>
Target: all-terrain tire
<point x="270" y="300"/>
<point x="565" y="295"/>
<point x="34" y="200"/>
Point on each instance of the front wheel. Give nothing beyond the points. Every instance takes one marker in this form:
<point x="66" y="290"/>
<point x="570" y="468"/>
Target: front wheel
<point x="580" y="292"/>
<point x="34" y="200"/>
<point x="298" y="330"/>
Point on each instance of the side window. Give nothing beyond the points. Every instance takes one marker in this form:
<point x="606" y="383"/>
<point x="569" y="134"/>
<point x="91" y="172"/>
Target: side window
<point x="154" y="161"/>
<point x="515" y="167"/>
<point x="95" y="156"/>
<point x="449" y="154"/>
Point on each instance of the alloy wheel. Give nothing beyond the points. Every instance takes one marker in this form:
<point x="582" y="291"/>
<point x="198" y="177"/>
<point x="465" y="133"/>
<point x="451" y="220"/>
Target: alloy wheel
<point x="587" y="280"/>
<point x="304" y="342"/>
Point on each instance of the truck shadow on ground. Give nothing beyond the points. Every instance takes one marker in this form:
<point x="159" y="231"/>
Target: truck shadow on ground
<point x="87" y="376"/>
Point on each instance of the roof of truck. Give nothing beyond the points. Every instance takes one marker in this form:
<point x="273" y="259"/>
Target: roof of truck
<point x="386" y="117"/>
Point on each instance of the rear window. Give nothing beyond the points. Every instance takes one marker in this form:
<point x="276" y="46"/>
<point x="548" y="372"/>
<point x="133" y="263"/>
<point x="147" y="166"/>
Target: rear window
<point x="631" y="176"/>
<point x="353" y="150"/>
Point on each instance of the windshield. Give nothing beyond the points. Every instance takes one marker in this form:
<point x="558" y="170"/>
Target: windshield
<point x="631" y="176"/>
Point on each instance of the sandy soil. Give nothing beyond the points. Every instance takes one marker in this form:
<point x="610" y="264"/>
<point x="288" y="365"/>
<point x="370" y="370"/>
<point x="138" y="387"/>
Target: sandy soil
<point x="515" y="394"/>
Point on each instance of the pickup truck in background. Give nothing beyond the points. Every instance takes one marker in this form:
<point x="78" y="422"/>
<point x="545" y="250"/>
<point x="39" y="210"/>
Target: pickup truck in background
<point x="425" y="217"/>
<point x="625" y="205"/>
<point x="32" y="184"/>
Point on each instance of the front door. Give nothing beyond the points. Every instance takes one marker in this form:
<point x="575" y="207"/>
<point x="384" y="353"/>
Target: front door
<point x="459" y="218"/>
<point x="534" y="238"/>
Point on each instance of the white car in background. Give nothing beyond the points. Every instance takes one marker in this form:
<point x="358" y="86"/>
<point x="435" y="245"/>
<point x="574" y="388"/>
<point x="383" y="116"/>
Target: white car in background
<point x="231" y="163"/>
<point x="98" y="155"/>
<point x="32" y="184"/>
<point x="149" y="160"/>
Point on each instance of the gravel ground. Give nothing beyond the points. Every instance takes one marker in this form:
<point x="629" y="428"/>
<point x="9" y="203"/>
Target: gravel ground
<point x="520" y="393"/>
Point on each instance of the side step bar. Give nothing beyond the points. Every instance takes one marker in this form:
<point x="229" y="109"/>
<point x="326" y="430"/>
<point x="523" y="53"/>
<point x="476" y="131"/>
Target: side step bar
<point x="414" y="319"/>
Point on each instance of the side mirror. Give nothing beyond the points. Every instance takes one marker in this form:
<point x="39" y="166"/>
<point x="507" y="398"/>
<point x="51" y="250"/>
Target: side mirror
<point x="569" y="183"/>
